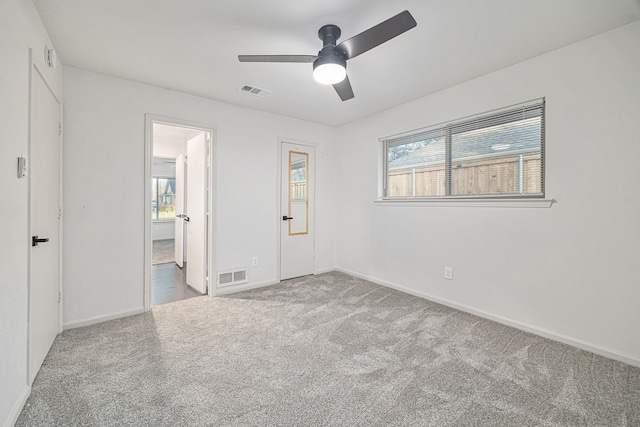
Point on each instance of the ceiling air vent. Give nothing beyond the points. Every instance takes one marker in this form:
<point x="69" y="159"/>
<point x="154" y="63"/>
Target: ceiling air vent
<point x="252" y="90"/>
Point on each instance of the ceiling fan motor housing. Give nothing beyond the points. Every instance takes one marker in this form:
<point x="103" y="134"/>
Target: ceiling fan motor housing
<point x="330" y="55"/>
<point x="329" y="34"/>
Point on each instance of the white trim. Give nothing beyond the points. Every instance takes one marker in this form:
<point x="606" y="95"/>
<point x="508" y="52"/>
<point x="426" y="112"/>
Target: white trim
<point x="593" y="348"/>
<point x="150" y="119"/>
<point x="103" y="318"/>
<point x="327" y="270"/>
<point x="17" y="407"/>
<point x="212" y="264"/>
<point x="469" y="202"/>
<point x="239" y="288"/>
<point x="148" y="220"/>
<point x="61" y="221"/>
<point x="278" y="211"/>
<point x="29" y="220"/>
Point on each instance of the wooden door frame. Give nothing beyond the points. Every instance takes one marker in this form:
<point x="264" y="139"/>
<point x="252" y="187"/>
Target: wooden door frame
<point x="150" y="120"/>
<point x="35" y="69"/>
<point x="316" y="148"/>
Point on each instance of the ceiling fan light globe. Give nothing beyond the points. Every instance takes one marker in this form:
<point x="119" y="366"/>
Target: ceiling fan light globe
<point x="329" y="73"/>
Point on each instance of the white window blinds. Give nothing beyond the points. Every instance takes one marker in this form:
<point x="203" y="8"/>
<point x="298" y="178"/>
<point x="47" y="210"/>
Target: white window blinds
<point x="494" y="154"/>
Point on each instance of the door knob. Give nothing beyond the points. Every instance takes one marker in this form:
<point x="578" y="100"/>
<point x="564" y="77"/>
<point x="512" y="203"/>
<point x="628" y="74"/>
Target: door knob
<point x="284" y="217"/>
<point x="35" y="240"/>
<point x="186" y="218"/>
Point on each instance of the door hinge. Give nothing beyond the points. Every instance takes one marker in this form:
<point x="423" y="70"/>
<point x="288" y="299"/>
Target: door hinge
<point x="59" y="297"/>
<point x="59" y="213"/>
<point x="59" y="128"/>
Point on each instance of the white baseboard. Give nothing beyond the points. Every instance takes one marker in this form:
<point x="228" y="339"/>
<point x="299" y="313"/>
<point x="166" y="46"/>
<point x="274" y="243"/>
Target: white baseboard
<point x="597" y="349"/>
<point x="326" y="270"/>
<point x="17" y="407"/>
<point x="100" y="319"/>
<point x="227" y="290"/>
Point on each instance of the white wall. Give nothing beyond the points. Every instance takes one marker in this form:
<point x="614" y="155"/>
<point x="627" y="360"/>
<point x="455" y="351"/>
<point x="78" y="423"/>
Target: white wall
<point x="164" y="146"/>
<point x="163" y="230"/>
<point x="570" y="271"/>
<point x="104" y="273"/>
<point x="20" y="29"/>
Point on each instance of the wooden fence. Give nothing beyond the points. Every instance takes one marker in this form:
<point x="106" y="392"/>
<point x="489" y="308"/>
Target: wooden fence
<point x="298" y="190"/>
<point x="477" y="177"/>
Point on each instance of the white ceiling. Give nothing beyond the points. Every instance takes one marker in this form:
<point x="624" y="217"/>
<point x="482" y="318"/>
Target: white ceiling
<point x="192" y="46"/>
<point x="173" y="132"/>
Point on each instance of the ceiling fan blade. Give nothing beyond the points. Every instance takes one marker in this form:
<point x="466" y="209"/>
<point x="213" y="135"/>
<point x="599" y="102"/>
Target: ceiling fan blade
<point x="378" y="34"/>
<point x="345" y="92"/>
<point x="277" y="58"/>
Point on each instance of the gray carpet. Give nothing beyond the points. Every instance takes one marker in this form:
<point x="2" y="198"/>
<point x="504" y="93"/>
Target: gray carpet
<point x="163" y="251"/>
<point x="329" y="350"/>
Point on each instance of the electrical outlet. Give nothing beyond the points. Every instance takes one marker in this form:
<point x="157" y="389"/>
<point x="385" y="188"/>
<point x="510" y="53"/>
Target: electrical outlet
<point x="254" y="261"/>
<point x="448" y="273"/>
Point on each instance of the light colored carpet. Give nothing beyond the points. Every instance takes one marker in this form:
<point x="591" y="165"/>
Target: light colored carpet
<point x="328" y="350"/>
<point x="163" y="251"/>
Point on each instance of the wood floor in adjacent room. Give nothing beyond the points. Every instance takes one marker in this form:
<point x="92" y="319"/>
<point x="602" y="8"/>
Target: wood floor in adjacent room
<point x="169" y="284"/>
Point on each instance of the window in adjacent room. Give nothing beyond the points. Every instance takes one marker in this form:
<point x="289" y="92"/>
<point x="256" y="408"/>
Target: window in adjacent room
<point x="163" y="198"/>
<point x="494" y="154"/>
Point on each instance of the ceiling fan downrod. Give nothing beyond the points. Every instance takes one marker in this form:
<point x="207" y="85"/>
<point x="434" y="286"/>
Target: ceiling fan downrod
<point x="329" y="34"/>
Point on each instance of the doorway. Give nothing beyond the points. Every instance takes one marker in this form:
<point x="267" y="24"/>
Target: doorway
<point x="179" y="221"/>
<point x="297" y="225"/>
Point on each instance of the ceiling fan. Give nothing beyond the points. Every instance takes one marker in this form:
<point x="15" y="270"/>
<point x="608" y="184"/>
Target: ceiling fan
<point x="330" y="64"/>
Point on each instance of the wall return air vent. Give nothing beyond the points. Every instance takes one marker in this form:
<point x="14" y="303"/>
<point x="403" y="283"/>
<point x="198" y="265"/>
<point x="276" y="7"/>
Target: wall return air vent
<point x="256" y="91"/>
<point x="230" y="278"/>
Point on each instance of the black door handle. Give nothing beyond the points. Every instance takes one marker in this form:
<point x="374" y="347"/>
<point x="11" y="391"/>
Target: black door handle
<point x="186" y="218"/>
<point x="284" y="217"/>
<point x="35" y="240"/>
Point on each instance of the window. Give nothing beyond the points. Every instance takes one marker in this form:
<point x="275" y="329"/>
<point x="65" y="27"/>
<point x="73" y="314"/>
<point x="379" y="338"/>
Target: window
<point x="495" y="154"/>
<point x="298" y="165"/>
<point x="163" y="196"/>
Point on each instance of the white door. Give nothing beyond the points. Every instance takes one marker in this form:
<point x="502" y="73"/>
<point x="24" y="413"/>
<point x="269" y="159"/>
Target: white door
<point x="179" y="209"/>
<point x="297" y="225"/>
<point x="196" y="212"/>
<point x="44" y="172"/>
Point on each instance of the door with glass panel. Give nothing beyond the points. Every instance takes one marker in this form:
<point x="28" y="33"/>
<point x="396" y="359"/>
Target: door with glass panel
<point x="297" y="254"/>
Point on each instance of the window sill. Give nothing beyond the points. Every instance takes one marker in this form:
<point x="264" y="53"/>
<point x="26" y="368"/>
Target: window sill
<point x="476" y="203"/>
